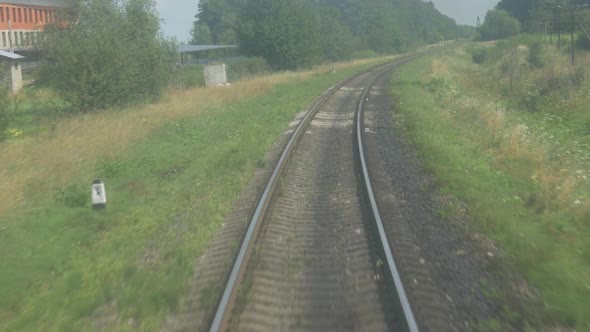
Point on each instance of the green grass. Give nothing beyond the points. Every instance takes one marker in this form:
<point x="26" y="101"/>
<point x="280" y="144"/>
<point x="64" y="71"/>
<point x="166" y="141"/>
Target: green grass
<point x="445" y="113"/>
<point x="66" y="267"/>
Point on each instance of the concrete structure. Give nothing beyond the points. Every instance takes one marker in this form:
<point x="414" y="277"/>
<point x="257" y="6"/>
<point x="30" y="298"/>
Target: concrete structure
<point x="21" y="21"/>
<point x="215" y="75"/>
<point x="14" y="74"/>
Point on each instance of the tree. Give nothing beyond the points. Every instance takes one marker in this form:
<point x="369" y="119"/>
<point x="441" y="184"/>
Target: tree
<point x="111" y="54"/>
<point x="201" y="35"/>
<point x="336" y="39"/>
<point x="498" y="25"/>
<point x="519" y="9"/>
<point x="284" y="32"/>
<point x="383" y="26"/>
<point x="220" y="17"/>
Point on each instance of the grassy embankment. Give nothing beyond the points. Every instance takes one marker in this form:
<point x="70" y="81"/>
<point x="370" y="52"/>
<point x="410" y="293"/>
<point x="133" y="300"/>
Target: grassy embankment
<point x="171" y="170"/>
<point x="510" y="138"/>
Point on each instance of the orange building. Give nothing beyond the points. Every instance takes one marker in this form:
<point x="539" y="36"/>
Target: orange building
<point x="21" y="20"/>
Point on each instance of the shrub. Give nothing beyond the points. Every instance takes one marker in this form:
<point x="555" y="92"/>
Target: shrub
<point x="113" y="55"/>
<point x="366" y="54"/>
<point x="72" y="196"/>
<point x="577" y="76"/>
<point x="498" y="25"/>
<point x="49" y="104"/>
<point x="537" y="54"/>
<point x="3" y="112"/>
<point x="512" y="67"/>
<point x="187" y="76"/>
<point x="480" y="55"/>
<point x="247" y="68"/>
<point x="533" y="100"/>
<point x="582" y="41"/>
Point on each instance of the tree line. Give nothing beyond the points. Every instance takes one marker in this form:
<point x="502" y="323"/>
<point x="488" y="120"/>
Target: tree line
<point x="112" y="52"/>
<point x="297" y="33"/>
<point x="510" y="17"/>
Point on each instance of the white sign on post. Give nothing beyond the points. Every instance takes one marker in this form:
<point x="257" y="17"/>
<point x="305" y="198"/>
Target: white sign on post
<point x="99" y="195"/>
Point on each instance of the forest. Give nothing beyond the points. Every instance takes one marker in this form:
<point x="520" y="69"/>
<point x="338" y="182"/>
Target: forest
<point x="292" y="34"/>
<point x="530" y="12"/>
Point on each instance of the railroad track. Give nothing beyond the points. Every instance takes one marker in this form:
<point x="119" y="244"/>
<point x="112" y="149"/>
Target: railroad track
<point x="315" y="255"/>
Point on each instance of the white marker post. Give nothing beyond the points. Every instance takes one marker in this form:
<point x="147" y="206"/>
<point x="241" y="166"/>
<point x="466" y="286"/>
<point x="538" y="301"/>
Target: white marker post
<point x="99" y="195"/>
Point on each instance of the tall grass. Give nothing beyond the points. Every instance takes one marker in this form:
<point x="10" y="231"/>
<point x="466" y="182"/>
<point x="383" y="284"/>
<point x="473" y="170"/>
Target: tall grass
<point x="524" y="175"/>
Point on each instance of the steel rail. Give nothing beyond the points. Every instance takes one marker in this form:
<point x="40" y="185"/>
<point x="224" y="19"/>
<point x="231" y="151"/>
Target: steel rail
<point x="225" y="306"/>
<point x="394" y="273"/>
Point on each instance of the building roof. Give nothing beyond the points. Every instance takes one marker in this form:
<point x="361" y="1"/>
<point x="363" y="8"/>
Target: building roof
<point x="198" y="48"/>
<point x="11" y="56"/>
<point x="44" y="3"/>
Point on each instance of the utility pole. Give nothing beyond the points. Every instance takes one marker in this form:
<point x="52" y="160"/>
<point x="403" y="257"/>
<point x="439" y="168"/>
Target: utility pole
<point x="478" y="22"/>
<point x="572" y="30"/>
<point x="545" y="31"/>
<point x="558" y="27"/>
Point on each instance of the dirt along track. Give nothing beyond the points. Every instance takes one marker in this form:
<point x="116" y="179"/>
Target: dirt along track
<point x="317" y="264"/>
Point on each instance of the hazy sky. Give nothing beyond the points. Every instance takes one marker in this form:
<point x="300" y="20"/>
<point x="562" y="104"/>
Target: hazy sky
<point x="465" y="11"/>
<point x="178" y="15"/>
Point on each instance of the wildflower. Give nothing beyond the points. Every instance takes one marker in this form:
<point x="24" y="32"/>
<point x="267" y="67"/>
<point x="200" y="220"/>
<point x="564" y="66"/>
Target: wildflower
<point x="13" y="132"/>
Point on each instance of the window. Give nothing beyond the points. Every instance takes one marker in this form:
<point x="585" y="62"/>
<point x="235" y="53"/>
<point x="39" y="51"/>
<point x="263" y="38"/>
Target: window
<point x="20" y="15"/>
<point x="4" y="43"/>
<point x="15" y="38"/>
<point x="13" y="15"/>
<point x="1" y="14"/>
<point x="21" y="38"/>
<point x="26" y="13"/>
<point x="45" y="16"/>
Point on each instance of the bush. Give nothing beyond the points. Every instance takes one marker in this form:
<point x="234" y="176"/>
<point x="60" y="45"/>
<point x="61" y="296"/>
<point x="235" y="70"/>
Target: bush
<point x="366" y="54"/>
<point x="113" y="55"/>
<point x="248" y="68"/>
<point x="480" y="55"/>
<point x="72" y="196"/>
<point x="537" y="55"/>
<point x="47" y="103"/>
<point x="3" y="113"/>
<point x="582" y="41"/>
<point x="187" y="76"/>
<point x="498" y="25"/>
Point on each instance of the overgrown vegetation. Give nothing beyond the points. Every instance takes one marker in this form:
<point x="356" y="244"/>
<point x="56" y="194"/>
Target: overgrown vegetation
<point x="508" y="136"/>
<point x="284" y="32"/>
<point x="530" y="72"/>
<point x="4" y="107"/>
<point x="498" y="25"/>
<point x="530" y="12"/>
<point x="110" y="54"/>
